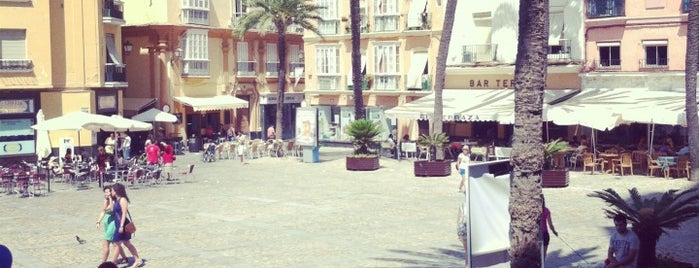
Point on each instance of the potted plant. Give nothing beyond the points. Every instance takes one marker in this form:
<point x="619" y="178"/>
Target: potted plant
<point x="650" y="217"/>
<point x="367" y="81"/>
<point x="365" y="155"/>
<point x="435" y="165"/>
<point x="554" y="173"/>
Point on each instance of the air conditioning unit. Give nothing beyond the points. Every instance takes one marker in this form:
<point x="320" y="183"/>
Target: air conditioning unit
<point x="299" y="29"/>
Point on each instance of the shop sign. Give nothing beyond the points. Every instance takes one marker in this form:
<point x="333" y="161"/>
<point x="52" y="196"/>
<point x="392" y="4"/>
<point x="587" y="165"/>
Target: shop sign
<point x="452" y="117"/>
<point x="23" y="106"/>
<point x="106" y="102"/>
<point x="491" y="83"/>
<point x="288" y="98"/>
<point x="8" y="148"/>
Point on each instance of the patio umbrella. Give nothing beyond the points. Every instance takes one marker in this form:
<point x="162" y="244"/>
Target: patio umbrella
<point x="71" y="121"/>
<point x="155" y="115"/>
<point x="116" y="123"/>
<point x="43" y="144"/>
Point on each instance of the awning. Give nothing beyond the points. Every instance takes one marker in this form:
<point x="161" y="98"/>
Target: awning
<point x="155" y="115"/>
<point x="204" y="104"/>
<point x="418" y="61"/>
<point x="417" y="7"/>
<point x="135" y="105"/>
<point x="472" y="105"/>
<point x="606" y="108"/>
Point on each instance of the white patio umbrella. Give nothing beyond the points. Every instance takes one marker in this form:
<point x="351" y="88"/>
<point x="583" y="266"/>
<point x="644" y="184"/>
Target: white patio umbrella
<point x="43" y="143"/>
<point x="116" y="123"/>
<point x="155" y="115"/>
<point x="71" y="121"/>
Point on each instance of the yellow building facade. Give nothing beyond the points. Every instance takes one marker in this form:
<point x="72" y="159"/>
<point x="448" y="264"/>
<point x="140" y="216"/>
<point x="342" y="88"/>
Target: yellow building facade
<point x="399" y="43"/>
<point x="67" y="58"/>
<point x="188" y="62"/>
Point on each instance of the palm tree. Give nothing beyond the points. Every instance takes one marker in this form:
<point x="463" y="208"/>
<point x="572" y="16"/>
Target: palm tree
<point x="355" y="20"/>
<point x="441" y="69"/>
<point x="651" y="217"/>
<point x="690" y="78"/>
<point x="527" y="147"/>
<point x="279" y="15"/>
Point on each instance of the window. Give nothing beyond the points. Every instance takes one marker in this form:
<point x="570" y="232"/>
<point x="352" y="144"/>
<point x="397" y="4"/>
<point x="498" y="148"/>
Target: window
<point x="114" y="68"/>
<point x="329" y="15"/>
<point x="272" y="62"/>
<point x="196" y="53"/>
<point x="13" y="51"/>
<point x="609" y="55"/>
<point x="417" y="16"/>
<point x="350" y="75"/>
<point x="246" y="66"/>
<point x="605" y="8"/>
<point x="296" y="64"/>
<point x="417" y="75"/>
<point x="240" y="8"/>
<point x="326" y="66"/>
<point x="386" y="15"/>
<point x="195" y="12"/>
<point x="656" y="54"/>
<point x="386" y="66"/>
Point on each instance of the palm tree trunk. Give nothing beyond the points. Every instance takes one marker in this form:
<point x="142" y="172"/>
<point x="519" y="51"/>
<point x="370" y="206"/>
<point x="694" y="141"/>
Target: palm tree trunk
<point x="355" y="21"/>
<point x="646" y="249"/>
<point x="440" y="72"/>
<point x="281" y="74"/>
<point x="528" y="150"/>
<point x="691" y="62"/>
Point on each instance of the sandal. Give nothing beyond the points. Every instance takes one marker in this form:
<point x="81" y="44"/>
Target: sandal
<point x="122" y="261"/>
<point x="137" y="264"/>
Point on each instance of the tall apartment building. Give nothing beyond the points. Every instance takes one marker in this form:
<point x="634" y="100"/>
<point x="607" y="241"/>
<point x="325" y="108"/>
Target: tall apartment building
<point x="399" y="43"/>
<point x="187" y="61"/>
<point x="482" y="55"/>
<point x="60" y="57"/>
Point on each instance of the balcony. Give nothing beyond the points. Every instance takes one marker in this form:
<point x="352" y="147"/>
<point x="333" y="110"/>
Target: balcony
<point x="114" y="73"/>
<point x="194" y="16"/>
<point x="386" y="82"/>
<point x="479" y="53"/>
<point x="15" y="66"/>
<point x="247" y="68"/>
<point x="605" y="8"/>
<point x="386" y="23"/>
<point x="560" y="52"/>
<point x="272" y="69"/>
<point x="425" y="23"/>
<point x="328" y="81"/>
<point x="328" y="26"/>
<point x="425" y="84"/>
<point x="112" y="13"/>
<point x="365" y="84"/>
<point x="607" y="65"/>
<point x="653" y="64"/>
<point x="195" y="68"/>
<point x="293" y="66"/>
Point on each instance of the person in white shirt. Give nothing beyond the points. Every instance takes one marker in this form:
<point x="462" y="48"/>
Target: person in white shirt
<point x="623" y="245"/>
<point x="126" y="146"/>
<point x="462" y="163"/>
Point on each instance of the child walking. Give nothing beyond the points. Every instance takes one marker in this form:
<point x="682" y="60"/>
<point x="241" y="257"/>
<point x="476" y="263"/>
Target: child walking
<point x="462" y="164"/>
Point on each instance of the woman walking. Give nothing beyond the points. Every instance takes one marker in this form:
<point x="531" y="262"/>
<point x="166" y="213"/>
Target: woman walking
<point x="106" y="221"/>
<point x="121" y="208"/>
<point x="462" y="164"/>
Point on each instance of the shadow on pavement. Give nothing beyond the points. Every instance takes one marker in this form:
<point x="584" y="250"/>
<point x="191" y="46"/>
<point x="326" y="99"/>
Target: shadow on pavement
<point x="439" y="258"/>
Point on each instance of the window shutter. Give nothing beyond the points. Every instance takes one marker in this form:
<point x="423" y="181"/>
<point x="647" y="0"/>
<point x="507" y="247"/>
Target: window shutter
<point x="13" y="44"/>
<point x="242" y="51"/>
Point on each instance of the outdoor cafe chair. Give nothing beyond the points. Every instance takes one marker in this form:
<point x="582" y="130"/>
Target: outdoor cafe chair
<point x="7" y="181"/>
<point x="638" y="159"/>
<point x="625" y="162"/>
<point x="682" y="167"/>
<point x="38" y="182"/>
<point x="423" y="151"/>
<point x="590" y="162"/>
<point x="652" y="165"/>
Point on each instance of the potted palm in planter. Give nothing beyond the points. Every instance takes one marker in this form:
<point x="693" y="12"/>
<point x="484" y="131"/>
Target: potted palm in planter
<point x="554" y="173"/>
<point x="435" y="165"/>
<point x="365" y="155"/>
<point x="650" y="217"/>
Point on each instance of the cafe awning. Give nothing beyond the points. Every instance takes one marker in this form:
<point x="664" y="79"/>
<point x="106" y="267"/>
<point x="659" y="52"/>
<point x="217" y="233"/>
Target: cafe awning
<point x="136" y="105"/>
<point x="205" y="104"/>
<point x="471" y="105"/>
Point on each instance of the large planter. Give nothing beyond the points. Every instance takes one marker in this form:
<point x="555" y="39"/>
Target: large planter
<point x="424" y="168"/>
<point x="362" y="163"/>
<point x="554" y="178"/>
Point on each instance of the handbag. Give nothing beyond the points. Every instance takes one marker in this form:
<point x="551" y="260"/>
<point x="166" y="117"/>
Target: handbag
<point x="129" y="227"/>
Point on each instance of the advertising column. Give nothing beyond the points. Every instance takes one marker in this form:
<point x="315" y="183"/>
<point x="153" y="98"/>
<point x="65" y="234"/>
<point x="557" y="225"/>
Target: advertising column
<point x="307" y="133"/>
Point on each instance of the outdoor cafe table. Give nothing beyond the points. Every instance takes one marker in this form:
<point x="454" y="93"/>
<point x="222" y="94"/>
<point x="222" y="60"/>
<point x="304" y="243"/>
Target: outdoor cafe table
<point x="609" y="159"/>
<point x="665" y="162"/>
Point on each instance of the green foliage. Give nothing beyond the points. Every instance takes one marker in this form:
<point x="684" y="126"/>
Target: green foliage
<point x="551" y="149"/>
<point x="435" y="141"/>
<point x="651" y="217"/>
<point x="265" y="15"/>
<point x="363" y="133"/>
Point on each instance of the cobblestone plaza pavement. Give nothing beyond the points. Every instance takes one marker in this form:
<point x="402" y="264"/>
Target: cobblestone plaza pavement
<point x="283" y="213"/>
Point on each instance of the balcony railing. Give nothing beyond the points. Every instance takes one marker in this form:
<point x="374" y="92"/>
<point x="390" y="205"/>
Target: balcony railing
<point x="272" y="69"/>
<point x="425" y="84"/>
<point x="247" y="68"/>
<point x="685" y="6"/>
<point x="425" y="20"/>
<point x="328" y="81"/>
<point x="605" y="8"/>
<point x="607" y="65"/>
<point x="293" y="66"/>
<point x="386" y="23"/>
<point x="114" y="72"/>
<point x="328" y="26"/>
<point x="195" y="68"/>
<point x="194" y="16"/>
<point x="112" y="10"/>
<point x="479" y="53"/>
<point x="386" y="82"/>
<point x="7" y="65"/>
<point x="653" y="64"/>
<point x="560" y="52"/>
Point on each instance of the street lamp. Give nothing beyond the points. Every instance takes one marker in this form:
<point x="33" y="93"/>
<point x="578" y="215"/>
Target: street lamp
<point x="128" y="47"/>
